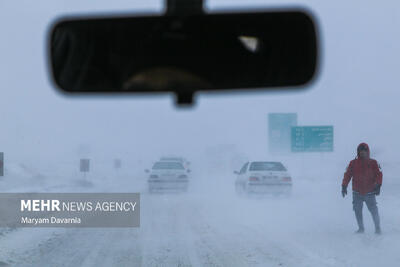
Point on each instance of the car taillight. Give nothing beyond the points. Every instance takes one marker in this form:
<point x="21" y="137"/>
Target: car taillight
<point x="183" y="176"/>
<point x="287" y="179"/>
<point x="253" y="178"/>
<point x="153" y="176"/>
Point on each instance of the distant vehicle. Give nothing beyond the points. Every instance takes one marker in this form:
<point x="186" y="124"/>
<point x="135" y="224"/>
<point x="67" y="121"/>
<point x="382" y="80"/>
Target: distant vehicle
<point x="168" y="176"/>
<point x="263" y="177"/>
<point x="178" y="159"/>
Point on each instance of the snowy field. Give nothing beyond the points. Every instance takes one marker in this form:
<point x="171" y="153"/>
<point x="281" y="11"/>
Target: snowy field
<point x="211" y="226"/>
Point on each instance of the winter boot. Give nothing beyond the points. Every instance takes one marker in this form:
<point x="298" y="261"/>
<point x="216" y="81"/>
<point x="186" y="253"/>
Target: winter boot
<point x="359" y="231"/>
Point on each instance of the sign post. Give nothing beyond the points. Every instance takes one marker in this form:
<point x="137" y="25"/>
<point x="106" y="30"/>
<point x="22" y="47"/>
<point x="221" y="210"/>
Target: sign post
<point x="1" y="163"/>
<point x="117" y="164"/>
<point x="279" y="126"/>
<point x="85" y="166"/>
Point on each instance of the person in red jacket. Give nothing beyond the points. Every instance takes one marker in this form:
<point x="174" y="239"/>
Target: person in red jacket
<point x="367" y="182"/>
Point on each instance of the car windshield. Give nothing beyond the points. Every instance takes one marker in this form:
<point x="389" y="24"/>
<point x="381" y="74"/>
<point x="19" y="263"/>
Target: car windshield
<point x="171" y="159"/>
<point x="211" y="209"/>
<point x="167" y="166"/>
<point x="266" y="166"/>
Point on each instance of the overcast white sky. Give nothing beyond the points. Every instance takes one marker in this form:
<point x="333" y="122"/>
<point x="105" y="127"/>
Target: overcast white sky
<point x="356" y="91"/>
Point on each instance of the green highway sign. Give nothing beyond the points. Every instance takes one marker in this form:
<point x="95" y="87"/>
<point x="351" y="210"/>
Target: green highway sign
<point x="279" y="125"/>
<point x="312" y="139"/>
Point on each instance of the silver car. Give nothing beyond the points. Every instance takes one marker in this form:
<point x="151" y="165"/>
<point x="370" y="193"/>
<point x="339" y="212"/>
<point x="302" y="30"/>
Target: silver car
<point x="168" y="176"/>
<point x="263" y="177"/>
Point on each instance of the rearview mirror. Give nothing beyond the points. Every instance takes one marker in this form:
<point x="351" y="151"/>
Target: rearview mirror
<point x="183" y="54"/>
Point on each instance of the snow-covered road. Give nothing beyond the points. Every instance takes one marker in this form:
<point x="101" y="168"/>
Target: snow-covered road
<point x="215" y="227"/>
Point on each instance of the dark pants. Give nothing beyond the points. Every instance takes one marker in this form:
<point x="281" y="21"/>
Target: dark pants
<point x="370" y="201"/>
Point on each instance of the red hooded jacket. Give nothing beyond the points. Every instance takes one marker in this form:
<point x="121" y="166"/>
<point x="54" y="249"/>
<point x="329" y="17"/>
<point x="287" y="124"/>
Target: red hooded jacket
<point x="366" y="173"/>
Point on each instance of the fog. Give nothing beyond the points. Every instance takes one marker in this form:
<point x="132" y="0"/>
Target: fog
<point x="44" y="134"/>
<point x="354" y="88"/>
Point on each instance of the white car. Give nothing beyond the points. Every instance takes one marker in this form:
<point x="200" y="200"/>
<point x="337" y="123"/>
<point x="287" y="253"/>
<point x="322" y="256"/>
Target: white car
<point x="168" y="176"/>
<point x="263" y="177"/>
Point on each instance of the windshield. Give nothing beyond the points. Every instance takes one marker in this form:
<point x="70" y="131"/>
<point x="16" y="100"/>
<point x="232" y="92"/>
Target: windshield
<point x="167" y="166"/>
<point x="172" y="159"/>
<point x="215" y="212"/>
<point x="266" y="166"/>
